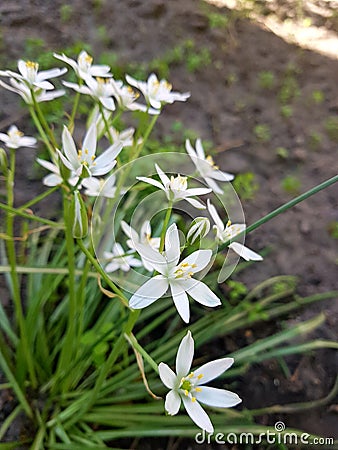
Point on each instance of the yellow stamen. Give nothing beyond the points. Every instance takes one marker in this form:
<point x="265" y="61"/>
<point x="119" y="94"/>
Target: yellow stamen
<point x="229" y="223"/>
<point x="186" y="393"/>
<point x="200" y="376"/>
<point x="193" y="399"/>
<point x="198" y="389"/>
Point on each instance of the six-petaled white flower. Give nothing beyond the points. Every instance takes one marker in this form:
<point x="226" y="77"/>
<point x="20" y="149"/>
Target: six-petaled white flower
<point x="101" y="89"/>
<point x="230" y="231"/>
<point x="15" y="138"/>
<point x="174" y="275"/>
<point x="30" y="75"/>
<point x="206" y="166"/>
<point x="25" y="92"/>
<point x="157" y="92"/>
<point x="144" y="239"/>
<point x="120" y="260"/>
<point x="84" y="65"/>
<point x="84" y="162"/>
<point x="126" y="98"/>
<point x="176" y="188"/>
<point x="189" y="386"/>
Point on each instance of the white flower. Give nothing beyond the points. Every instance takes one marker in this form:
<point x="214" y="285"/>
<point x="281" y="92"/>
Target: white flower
<point x="25" y="92"/>
<point x="55" y="178"/>
<point x="15" y="138"/>
<point x="176" y="188"/>
<point x="126" y="98"/>
<point x="206" y="166"/>
<point x="100" y="187"/>
<point x="30" y="75"/>
<point x="83" y="66"/>
<point x="157" y="92"/>
<point x="118" y="259"/>
<point x="84" y="162"/>
<point x="224" y="234"/>
<point x="189" y="386"/>
<point x="177" y="276"/>
<point x="199" y="228"/>
<point x="101" y="89"/>
<point x="144" y="239"/>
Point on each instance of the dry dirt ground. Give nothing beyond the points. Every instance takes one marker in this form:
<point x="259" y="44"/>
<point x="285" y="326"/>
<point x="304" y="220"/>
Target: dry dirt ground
<point x="227" y="104"/>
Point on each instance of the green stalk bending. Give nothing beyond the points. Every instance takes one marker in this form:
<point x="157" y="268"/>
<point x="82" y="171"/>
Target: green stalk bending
<point x="282" y="208"/>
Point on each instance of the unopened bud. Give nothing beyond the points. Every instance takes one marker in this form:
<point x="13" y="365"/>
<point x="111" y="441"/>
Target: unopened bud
<point x="199" y="228"/>
<point x="78" y="216"/>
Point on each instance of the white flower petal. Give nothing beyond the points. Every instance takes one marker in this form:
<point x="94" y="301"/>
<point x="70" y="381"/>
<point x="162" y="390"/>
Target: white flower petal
<point x="200" y="258"/>
<point x="195" y="203"/>
<point x="199" y="149"/>
<point x="197" y="414"/>
<point x="167" y="376"/>
<point x="245" y="252"/>
<point x="149" y="292"/>
<point x="201" y="293"/>
<point x="215" y="217"/>
<point x="213" y="369"/>
<point x="221" y="176"/>
<point x="172" y="245"/>
<point x="219" y="398"/>
<point x="152" y="257"/>
<point x="163" y="177"/>
<point x="214" y="186"/>
<point x="89" y="142"/>
<point x="184" y="357"/>
<point x="69" y="147"/>
<point x="172" y="403"/>
<point x="52" y="180"/>
<point x="190" y="150"/>
<point x="181" y="301"/>
<point x="151" y="181"/>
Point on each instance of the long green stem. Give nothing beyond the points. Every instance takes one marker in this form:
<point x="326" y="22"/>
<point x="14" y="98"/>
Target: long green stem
<point x="43" y="120"/>
<point x="106" y="125"/>
<point x="69" y="346"/>
<point x="283" y="208"/>
<point x="42" y="132"/>
<point x="18" y="212"/>
<point x="103" y="274"/>
<point x="165" y="225"/>
<point x="25" y="350"/>
<point x="38" y="198"/>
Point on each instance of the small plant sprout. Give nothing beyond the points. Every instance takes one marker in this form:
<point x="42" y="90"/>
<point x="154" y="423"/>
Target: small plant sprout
<point x="15" y="139"/>
<point x="189" y="386"/>
<point x="176" y="188"/>
<point x="174" y="275"/>
<point x="206" y="167"/>
<point x="229" y="232"/>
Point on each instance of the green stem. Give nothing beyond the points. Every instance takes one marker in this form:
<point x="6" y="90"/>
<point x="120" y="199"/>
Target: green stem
<point x="10" y="246"/>
<point x="75" y="105"/>
<point x="18" y="212"/>
<point x="42" y="132"/>
<point x="69" y="346"/>
<point x="282" y="209"/>
<point x="103" y="274"/>
<point x="39" y="198"/>
<point x="133" y="341"/>
<point x="43" y="120"/>
<point x="106" y="125"/>
<point x="165" y="225"/>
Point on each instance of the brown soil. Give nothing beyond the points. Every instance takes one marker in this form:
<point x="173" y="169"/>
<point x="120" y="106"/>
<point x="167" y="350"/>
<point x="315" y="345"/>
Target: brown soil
<point x="226" y="105"/>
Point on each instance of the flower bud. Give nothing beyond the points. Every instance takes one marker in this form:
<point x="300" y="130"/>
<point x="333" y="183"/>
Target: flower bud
<point x="78" y="216"/>
<point x="199" y="228"/>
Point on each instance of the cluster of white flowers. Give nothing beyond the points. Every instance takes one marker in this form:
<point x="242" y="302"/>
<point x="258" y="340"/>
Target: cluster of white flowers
<point x="83" y="167"/>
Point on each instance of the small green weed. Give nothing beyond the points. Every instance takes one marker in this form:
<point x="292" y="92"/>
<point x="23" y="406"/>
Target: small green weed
<point x="245" y="185"/>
